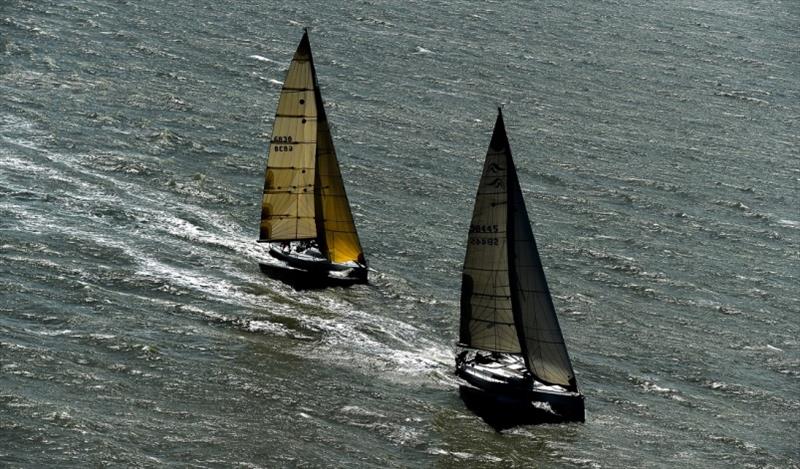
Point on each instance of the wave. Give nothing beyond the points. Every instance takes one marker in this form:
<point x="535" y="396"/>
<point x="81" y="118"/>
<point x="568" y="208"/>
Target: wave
<point x="260" y="58"/>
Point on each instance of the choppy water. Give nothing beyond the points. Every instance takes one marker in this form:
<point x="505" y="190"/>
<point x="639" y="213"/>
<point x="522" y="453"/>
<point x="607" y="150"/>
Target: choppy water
<point x="657" y="145"/>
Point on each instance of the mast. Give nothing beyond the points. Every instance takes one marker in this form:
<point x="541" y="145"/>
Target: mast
<point x="287" y="208"/>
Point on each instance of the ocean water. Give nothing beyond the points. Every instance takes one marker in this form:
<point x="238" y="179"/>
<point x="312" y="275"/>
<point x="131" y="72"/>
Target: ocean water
<point x="657" y="145"/>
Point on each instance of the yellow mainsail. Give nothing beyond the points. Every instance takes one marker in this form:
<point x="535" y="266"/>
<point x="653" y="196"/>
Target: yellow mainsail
<point x="287" y="207"/>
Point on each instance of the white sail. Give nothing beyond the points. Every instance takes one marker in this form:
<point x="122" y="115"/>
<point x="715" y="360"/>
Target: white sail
<point x="487" y="316"/>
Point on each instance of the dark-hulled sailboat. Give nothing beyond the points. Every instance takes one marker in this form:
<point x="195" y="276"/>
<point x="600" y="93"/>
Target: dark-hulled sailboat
<point x="511" y="348"/>
<point x="305" y="214"/>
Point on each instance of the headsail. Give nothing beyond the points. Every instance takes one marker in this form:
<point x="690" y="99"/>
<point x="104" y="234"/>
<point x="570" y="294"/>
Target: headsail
<point x="287" y="208"/>
<point x="544" y="349"/>
<point x="487" y="318"/>
<point x="338" y="238"/>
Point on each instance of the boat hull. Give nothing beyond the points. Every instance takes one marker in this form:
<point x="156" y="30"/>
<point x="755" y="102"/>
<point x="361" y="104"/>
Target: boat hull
<point x="506" y="392"/>
<point x="301" y="279"/>
<point x="308" y="263"/>
<point x="304" y="272"/>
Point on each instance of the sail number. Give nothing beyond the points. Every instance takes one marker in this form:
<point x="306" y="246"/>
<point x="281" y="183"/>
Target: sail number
<point x="484" y="229"/>
<point x="484" y="241"/>
<point x="282" y="143"/>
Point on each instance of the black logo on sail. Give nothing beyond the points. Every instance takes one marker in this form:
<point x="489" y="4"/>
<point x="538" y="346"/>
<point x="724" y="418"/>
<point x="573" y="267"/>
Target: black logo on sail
<point x="496" y="168"/>
<point x="498" y="183"/>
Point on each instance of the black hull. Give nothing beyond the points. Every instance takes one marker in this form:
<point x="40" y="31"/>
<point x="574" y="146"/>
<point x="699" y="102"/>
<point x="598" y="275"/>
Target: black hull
<point x="516" y="399"/>
<point x="502" y="413"/>
<point x="301" y="279"/>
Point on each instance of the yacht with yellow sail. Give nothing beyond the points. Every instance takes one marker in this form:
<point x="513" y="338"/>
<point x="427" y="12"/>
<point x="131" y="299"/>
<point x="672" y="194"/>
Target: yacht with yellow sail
<point x="305" y="214"/>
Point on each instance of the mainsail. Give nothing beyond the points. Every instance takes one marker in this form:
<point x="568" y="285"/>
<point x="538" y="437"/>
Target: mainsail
<point x="487" y="316"/>
<point x="304" y="195"/>
<point x="287" y="207"/>
<point x="514" y="286"/>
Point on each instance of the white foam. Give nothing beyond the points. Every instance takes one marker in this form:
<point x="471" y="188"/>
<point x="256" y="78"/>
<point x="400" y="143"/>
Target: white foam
<point x="260" y="58"/>
<point x="272" y="328"/>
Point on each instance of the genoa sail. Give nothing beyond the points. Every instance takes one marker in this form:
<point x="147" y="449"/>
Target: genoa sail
<point x="287" y="208"/>
<point x="338" y="239"/>
<point x="545" y="352"/>
<point x="505" y="302"/>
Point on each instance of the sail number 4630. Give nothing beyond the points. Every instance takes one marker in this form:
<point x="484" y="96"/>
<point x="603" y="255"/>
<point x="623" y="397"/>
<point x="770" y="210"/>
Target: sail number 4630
<point x="282" y="143"/>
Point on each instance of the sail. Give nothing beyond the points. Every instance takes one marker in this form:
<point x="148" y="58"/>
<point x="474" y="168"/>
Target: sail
<point x="487" y="318"/>
<point x="287" y="208"/>
<point x="338" y="238"/>
<point x="543" y="344"/>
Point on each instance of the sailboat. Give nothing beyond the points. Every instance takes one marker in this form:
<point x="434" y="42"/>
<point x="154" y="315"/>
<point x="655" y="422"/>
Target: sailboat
<point x="305" y="214"/>
<point x="511" y="349"/>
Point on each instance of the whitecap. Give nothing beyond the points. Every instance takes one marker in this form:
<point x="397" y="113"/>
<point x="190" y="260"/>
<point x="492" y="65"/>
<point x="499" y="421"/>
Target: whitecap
<point x="360" y="411"/>
<point x="268" y="327"/>
<point x="260" y="58"/>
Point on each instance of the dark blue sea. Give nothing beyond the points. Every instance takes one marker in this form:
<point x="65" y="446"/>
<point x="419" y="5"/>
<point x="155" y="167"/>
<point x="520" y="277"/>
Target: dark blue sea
<point x="658" y="149"/>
